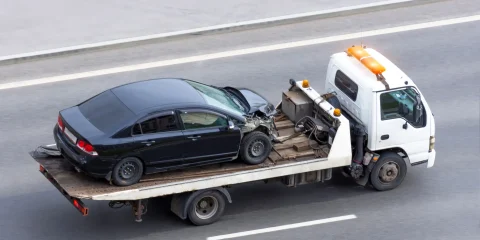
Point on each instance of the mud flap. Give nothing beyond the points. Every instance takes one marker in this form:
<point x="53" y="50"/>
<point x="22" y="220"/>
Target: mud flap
<point x="366" y="177"/>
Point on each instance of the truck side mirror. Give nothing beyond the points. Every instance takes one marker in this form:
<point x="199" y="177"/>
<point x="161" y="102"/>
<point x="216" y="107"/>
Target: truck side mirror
<point x="403" y="110"/>
<point x="417" y="109"/>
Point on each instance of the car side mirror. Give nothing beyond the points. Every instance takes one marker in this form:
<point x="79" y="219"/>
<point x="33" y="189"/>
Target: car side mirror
<point x="231" y="125"/>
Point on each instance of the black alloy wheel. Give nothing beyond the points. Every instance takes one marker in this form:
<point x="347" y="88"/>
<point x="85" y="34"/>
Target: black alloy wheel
<point x="127" y="172"/>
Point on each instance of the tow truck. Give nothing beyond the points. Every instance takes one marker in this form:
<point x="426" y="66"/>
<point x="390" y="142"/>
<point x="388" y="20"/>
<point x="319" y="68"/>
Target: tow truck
<point x="371" y="122"/>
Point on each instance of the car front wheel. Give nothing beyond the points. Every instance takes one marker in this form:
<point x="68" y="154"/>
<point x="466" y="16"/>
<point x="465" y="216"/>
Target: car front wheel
<point x="255" y="148"/>
<point x="127" y="172"/>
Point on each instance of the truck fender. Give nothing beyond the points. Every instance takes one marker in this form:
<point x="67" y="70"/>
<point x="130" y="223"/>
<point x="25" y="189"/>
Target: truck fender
<point x="181" y="202"/>
<point x="365" y="179"/>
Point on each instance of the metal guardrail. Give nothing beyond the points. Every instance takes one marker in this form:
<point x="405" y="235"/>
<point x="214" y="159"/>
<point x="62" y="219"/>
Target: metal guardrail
<point x="266" y="22"/>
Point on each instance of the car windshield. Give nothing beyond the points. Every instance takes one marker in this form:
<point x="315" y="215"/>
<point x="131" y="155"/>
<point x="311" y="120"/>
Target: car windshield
<point x="219" y="98"/>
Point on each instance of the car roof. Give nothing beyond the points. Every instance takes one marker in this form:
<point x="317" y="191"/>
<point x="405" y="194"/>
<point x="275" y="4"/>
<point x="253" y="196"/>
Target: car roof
<point x="157" y="93"/>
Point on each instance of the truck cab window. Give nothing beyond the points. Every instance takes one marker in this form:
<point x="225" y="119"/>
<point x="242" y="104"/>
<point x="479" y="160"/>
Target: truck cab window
<point x="193" y="120"/>
<point x="401" y="104"/>
<point x="346" y="85"/>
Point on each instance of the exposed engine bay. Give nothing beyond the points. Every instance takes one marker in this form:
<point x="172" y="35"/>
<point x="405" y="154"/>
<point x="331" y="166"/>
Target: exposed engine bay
<point x="259" y="120"/>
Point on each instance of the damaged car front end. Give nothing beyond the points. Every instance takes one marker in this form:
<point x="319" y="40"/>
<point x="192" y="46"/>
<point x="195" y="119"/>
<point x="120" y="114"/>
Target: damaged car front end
<point x="258" y="112"/>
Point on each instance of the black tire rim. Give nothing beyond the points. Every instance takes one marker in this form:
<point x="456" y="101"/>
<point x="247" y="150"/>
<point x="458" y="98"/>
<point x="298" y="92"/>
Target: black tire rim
<point x="128" y="170"/>
<point x="206" y="207"/>
<point x="389" y="171"/>
<point x="257" y="148"/>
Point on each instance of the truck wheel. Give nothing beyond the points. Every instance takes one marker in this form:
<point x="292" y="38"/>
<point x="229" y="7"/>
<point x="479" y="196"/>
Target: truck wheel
<point x="256" y="147"/>
<point x="127" y="172"/>
<point x="206" y="208"/>
<point x="389" y="172"/>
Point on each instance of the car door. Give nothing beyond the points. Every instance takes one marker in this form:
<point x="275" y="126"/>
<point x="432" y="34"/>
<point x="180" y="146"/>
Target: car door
<point x="208" y="136"/>
<point x="159" y="140"/>
<point x="397" y="128"/>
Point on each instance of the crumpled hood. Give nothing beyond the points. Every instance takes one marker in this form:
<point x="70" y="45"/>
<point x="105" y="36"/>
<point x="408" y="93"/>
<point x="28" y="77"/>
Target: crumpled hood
<point x="257" y="102"/>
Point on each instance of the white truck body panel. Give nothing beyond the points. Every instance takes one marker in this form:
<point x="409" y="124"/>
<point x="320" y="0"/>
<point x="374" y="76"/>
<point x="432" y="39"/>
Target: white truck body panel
<point x="226" y="179"/>
<point x="413" y="140"/>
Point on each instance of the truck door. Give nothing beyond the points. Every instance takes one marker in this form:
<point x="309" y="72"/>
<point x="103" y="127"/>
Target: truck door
<point x="399" y="126"/>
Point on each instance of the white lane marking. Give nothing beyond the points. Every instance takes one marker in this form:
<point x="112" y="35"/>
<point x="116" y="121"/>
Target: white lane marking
<point x="239" y="52"/>
<point x="204" y="29"/>
<point x="283" y="227"/>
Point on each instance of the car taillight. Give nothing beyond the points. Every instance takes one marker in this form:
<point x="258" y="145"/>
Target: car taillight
<point x="60" y="123"/>
<point x="86" y="147"/>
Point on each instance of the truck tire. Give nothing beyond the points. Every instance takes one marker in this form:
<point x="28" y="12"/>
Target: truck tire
<point x="127" y="172"/>
<point x="389" y="172"/>
<point x="206" y="208"/>
<point x="255" y="148"/>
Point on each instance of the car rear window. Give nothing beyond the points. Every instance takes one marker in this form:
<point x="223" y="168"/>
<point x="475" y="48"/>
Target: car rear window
<point x="106" y="112"/>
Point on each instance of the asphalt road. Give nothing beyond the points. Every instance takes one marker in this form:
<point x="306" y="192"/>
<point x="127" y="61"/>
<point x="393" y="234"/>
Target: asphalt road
<point x="38" y="25"/>
<point x="438" y="203"/>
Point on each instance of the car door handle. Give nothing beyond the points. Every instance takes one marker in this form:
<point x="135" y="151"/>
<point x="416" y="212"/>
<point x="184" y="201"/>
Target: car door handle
<point x="194" y="138"/>
<point x="384" y="137"/>
<point x="148" y="143"/>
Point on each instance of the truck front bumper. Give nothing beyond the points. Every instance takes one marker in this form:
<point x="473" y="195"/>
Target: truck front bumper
<point x="431" y="158"/>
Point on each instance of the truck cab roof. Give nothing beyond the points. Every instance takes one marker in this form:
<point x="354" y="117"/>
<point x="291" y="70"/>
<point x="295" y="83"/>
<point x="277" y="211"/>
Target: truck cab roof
<point x="362" y="76"/>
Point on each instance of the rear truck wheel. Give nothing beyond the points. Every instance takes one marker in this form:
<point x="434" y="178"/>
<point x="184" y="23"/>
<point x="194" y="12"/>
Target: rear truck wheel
<point x="206" y="208"/>
<point x="255" y="148"/>
<point x="389" y="172"/>
<point x="127" y="172"/>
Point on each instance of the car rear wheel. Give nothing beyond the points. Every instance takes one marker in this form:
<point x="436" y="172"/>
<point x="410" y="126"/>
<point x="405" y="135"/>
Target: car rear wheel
<point x="256" y="147"/>
<point x="127" y="172"/>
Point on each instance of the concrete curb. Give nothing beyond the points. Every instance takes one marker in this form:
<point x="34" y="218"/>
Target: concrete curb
<point x="244" y="25"/>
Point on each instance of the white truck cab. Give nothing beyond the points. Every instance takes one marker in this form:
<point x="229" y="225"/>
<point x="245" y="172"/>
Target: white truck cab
<point x="376" y="94"/>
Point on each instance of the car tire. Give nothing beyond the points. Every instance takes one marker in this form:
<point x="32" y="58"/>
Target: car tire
<point x="127" y="172"/>
<point x="255" y="148"/>
<point x="389" y="172"/>
<point x="206" y="208"/>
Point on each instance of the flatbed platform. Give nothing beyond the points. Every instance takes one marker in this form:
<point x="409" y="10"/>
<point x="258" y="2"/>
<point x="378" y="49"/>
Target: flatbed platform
<point x="292" y="156"/>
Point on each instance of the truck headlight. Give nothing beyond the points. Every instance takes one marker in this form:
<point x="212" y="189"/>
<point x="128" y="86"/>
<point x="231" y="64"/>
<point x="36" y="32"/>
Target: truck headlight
<point x="432" y="144"/>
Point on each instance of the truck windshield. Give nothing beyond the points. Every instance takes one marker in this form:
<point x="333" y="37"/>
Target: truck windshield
<point x="218" y="98"/>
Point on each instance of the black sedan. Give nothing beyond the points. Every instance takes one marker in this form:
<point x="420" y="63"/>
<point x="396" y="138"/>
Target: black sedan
<point x="158" y="125"/>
